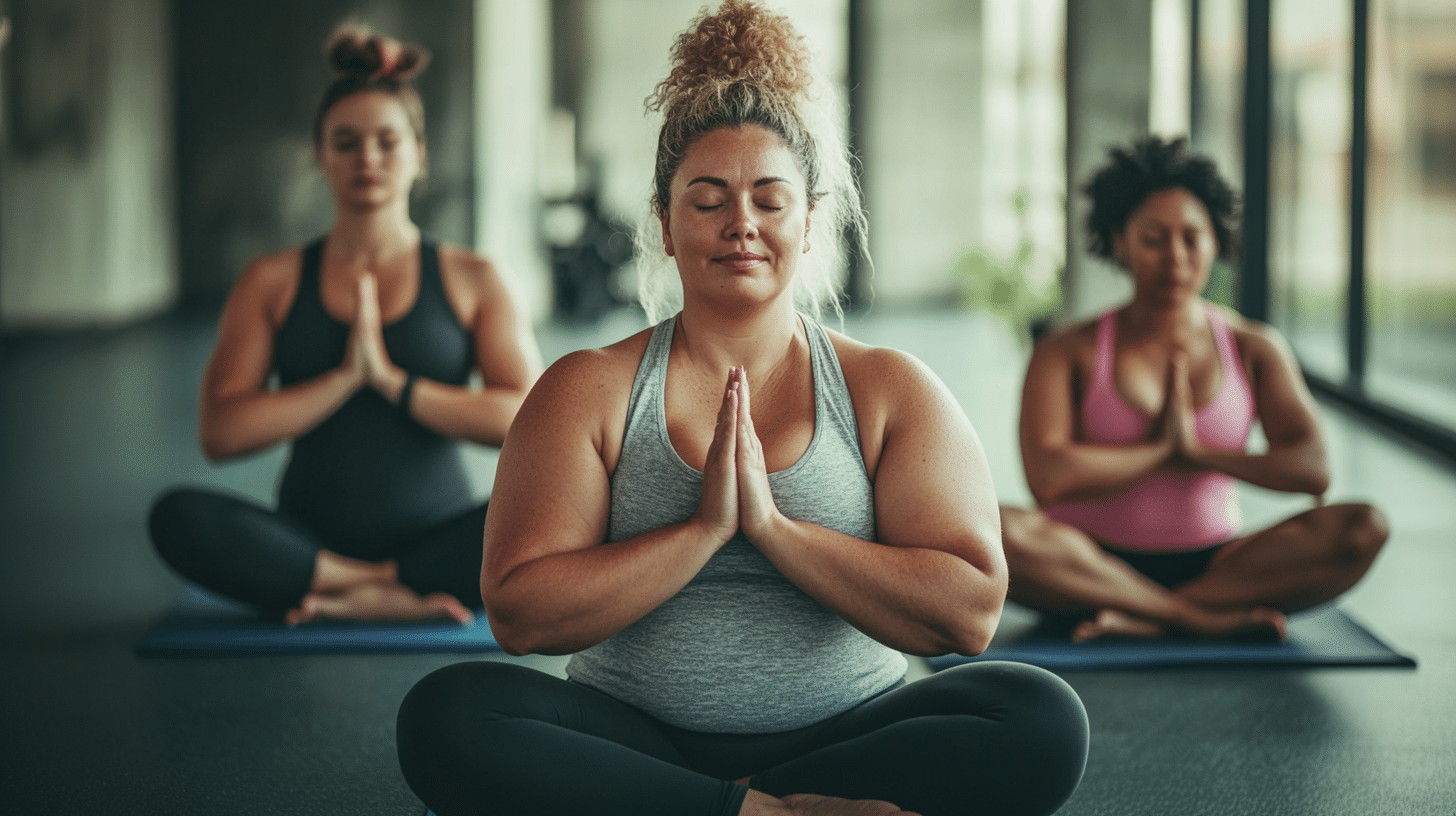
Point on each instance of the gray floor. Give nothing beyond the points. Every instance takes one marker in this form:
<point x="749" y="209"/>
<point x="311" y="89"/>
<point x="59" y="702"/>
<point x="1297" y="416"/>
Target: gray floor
<point x="92" y="426"/>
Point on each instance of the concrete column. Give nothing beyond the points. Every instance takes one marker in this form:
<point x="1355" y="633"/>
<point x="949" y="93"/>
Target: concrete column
<point x="513" y="96"/>
<point x="1109" y="70"/>
<point x="86" y="209"/>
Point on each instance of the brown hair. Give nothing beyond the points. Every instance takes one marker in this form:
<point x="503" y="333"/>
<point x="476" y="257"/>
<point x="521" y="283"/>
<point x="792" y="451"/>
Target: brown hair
<point x="365" y="61"/>
<point x="745" y="65"/>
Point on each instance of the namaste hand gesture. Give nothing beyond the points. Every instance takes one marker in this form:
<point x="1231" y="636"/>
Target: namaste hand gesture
<point x="365" y="356"/>
<point x="736" y="494"/>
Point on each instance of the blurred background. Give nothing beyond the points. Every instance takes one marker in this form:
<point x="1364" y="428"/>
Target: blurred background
<point x="151" y="147"/>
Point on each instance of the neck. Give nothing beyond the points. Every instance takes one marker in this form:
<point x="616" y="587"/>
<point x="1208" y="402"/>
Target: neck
<point x="1177" y="321"/>
<point x="759" y="339"/>
<point x="369" y="236"/>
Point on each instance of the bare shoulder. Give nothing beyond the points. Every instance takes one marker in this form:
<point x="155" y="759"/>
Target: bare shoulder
<point x="1256" y="340"/>
<point x="589" y="390"/>
<point x="1072" y="341"/>
<point x="465" y="264"/>
<point x="268" y="282"/>
<point x="880" y="375"/>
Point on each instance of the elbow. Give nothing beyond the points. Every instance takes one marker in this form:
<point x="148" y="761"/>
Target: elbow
<point x="511" y="637"/>
<point x="1316" y="483"/>
<point x="217" y="447"/>
<point x="1048" y="489"/>
<point x="969" y="636"/>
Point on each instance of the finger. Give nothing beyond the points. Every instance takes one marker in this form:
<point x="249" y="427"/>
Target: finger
<point x="368" y="298"/>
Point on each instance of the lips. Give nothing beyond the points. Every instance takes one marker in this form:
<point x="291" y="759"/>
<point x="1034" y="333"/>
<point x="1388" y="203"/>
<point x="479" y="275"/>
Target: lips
<point x="739" y="260"/>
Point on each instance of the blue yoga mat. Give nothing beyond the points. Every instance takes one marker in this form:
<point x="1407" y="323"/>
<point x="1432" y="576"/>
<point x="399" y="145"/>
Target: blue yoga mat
<point x="206" y="625"/>
<point x="1325" y="637"/>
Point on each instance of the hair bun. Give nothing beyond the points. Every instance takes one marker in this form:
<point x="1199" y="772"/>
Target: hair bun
<point x="742" y="42"/>
<point x="354" y="49"/>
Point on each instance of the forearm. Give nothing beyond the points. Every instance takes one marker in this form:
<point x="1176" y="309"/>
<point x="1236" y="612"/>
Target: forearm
<point x="565" y="602"/>
<point x="1296" y="468"/>
<point x="1082" y="471"/>
<point x="917" y="600"/>
<point x="234" y="426"/>
<point x="478" y="415"/>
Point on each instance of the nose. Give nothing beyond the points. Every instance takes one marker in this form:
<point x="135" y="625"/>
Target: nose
<point x="369" y="153"/>
<point x="742" y="224"/>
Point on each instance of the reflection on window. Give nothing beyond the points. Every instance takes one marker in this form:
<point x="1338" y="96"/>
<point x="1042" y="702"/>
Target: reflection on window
<point x="1309" y="233"/>
<point x="1411" y="267"/>
<point x="1218" y="112"/>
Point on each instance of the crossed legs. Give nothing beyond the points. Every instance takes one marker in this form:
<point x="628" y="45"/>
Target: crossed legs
<point x="492" y="737"/>
<point x="1248" y="588"/>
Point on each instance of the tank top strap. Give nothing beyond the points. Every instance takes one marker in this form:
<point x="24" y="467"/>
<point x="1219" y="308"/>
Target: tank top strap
<point x="1106" y="352"/>
<point x="310" y="295"/>
<point x="1223" y="339"/>
<point x="648" y="385"/>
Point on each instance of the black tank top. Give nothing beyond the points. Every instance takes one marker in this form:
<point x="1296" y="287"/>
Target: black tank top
<point x="369" y="475"/>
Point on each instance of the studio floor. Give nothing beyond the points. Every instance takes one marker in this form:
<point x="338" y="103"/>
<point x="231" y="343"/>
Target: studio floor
<point x="94" y="425"/>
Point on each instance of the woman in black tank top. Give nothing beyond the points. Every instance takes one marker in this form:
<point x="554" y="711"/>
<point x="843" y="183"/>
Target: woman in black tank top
<point x="373" y="334"/>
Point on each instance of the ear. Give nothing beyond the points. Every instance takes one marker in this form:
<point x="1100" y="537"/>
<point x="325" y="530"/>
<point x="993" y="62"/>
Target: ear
<point x="1119" y="246"/>
<point x="666" y="234"/>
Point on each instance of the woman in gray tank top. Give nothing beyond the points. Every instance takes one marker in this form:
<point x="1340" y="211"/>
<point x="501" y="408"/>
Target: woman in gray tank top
<point x="737" y="522"/>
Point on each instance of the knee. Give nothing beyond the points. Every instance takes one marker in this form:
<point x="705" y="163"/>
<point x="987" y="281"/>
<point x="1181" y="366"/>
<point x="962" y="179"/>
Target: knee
<point x="1046" y="734"/>
<point x="438" y="704"/>
<point x="170" y="519"/>
<point x="1028" y="533"/>
<point x="1033" y="702"/>
<point x="1363" y="531"/>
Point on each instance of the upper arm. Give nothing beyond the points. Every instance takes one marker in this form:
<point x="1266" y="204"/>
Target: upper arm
<point x="243" y="356"/>
<point x="1048" y="419"/>
<point x="1285" y="407"/>
<point x="932" y="484"/>
<point x="505" y="348"/>
<point x="552" y="487"/>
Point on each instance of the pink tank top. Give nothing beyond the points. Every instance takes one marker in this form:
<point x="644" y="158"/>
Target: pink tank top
<point x="1164" y="510"/>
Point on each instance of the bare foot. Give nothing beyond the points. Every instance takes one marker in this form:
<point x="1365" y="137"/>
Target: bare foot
<point x="1114" y="623"/>
<point x="808" y="804"/>
<point x="378" y="600"/>
<point x="1256" y="622"/>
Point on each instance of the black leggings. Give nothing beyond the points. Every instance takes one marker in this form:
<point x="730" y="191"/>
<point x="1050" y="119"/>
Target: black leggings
<point x="498" y="738"/>
<point x="264" y="557"/>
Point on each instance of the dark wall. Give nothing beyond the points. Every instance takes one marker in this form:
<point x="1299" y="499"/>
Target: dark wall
<point x="249" y="76"/>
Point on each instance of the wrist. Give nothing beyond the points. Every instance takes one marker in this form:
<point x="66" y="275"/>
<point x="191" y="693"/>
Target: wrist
<point x="404" y="396"/>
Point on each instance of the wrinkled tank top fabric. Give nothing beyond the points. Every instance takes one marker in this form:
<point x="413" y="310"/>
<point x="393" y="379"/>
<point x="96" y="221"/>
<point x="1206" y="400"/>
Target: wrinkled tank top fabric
<point x="740" y="649"/>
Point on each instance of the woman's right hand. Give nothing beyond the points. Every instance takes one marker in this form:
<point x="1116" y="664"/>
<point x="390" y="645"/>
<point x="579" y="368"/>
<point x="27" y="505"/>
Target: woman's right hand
<point x="718" y="507"/>
<point x="363" y="353"/>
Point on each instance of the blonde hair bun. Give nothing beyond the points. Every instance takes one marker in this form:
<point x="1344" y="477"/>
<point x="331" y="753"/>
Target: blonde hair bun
<point x="742" y="42"/>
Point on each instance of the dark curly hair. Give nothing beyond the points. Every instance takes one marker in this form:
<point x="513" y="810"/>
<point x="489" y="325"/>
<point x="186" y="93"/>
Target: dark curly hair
<point x="1147" y="166"/>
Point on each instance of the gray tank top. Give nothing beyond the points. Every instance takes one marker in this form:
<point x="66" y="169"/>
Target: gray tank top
<point x="740" y="649"/>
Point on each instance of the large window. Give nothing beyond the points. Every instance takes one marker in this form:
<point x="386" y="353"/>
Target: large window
<point x="1411" y="216"/>
<point x="1309" y="178"/>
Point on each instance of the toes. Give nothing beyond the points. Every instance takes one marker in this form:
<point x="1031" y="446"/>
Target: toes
<point x="451" y="606"/>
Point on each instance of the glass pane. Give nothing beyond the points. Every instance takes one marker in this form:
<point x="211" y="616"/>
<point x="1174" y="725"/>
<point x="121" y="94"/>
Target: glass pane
<point x="1411" y="212"/>
<point x="1309" y="229"/>
<point x="1218" y="108"/>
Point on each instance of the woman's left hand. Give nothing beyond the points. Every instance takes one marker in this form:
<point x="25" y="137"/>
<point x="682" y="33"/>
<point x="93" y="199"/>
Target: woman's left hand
<point x="367" y="339"/>
<point x="757" y="511"/>
<point x="1179" y="413"/>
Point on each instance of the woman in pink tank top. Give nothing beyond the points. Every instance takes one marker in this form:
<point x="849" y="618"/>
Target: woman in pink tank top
<point x="1134" y="429"/>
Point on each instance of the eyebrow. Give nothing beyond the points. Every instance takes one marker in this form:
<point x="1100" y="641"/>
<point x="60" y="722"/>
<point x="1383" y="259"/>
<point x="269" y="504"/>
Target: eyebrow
<point x="717" y="182"/>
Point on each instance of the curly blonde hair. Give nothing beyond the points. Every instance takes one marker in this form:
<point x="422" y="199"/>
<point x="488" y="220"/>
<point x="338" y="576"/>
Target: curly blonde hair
<point x="744" y="65"/>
